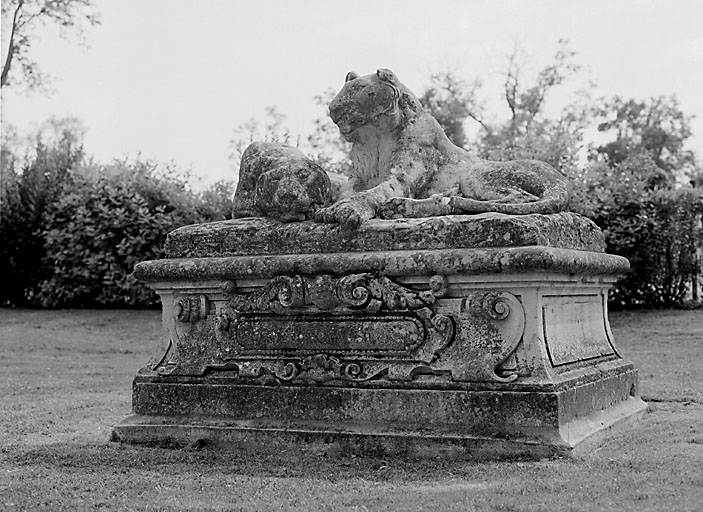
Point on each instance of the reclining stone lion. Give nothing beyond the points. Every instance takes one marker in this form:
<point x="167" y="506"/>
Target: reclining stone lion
<point x="279" y="181"/>
<point x="405" y="166"/>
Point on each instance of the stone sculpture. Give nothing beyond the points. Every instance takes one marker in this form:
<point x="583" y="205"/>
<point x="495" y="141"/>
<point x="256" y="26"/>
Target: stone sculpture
<point x="405" y="166"/>
<point x="427" y="333"/>
<point x="279" y="181"/>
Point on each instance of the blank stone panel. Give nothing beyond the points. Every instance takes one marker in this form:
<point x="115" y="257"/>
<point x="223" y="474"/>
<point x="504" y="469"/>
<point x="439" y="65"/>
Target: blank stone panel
<point x="574" y="330"/>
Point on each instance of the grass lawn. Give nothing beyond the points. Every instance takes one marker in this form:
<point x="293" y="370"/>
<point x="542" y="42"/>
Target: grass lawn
<point x="66" y="379"/>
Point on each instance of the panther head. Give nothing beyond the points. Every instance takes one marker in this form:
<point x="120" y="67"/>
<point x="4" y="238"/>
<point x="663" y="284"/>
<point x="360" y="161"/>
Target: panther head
<point x="280" y="182"/>
<point x="293" y="193"/>
<point x="371" y="100"/>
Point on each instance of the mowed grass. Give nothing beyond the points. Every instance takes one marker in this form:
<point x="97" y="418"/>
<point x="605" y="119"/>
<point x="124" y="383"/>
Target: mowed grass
<point x="66" y="379"/>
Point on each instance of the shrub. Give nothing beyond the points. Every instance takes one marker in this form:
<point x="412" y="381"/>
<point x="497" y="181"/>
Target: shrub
<point x="72" y="231"/>
<point x="111" y="219"/>
<point x="661" y="242"/>
<point x="657" y="229"/>
<point x="27" y="197"/>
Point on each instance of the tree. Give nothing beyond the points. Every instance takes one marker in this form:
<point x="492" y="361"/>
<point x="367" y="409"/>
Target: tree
<point x="627" y="187"/>
<point x="29" y="194"/>
<point x="72" y="229"/>
<point x="529" y="132"/>
<point x="450" y="100"/>
<point x="656" y="126"/>
<point x="274" y="130"/>
<point x="637" y="200"/>
<point x="325" y="145"/>
<point x="112" y="217"/>
<point x="657" y="229"/>
<point x="21" y="19"/>
<point x="526" y="131"/>
<point x="526" y="102"/>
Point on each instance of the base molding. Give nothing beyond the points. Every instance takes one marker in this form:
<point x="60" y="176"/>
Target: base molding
<point x="245" y="436"/>
<point x="473" y="424"/>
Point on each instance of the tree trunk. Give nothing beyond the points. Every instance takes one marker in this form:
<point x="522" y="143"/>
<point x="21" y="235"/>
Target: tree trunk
<point x="11" y="47"/>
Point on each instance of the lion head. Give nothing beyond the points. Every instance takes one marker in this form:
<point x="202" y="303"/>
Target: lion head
<point x="378" y="100"/>
<point x="293" y="193"/>
<point x="279" y="181"/>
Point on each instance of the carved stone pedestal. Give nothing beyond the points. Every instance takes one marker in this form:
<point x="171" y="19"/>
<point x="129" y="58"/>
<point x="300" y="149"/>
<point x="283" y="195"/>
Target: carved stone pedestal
<point x="484" y="336"/>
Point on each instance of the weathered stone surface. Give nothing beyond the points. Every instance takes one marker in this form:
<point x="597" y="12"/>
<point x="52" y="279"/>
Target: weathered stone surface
<point x="301" y="329"/>
<point x="482" y="352"/>
<point x="485" y="424"/>
<point x="279" y="182"/>
<point x="405" y="166"/>
<point x="584" y="336"/>
<point x="481" y="336"/>
<point x="504" y="261"/>
<point x="372" y="328"/>
<point x="257" y="236"/>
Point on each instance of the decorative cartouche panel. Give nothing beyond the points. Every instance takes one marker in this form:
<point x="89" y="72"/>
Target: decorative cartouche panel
<point x="355" y="315"/>
<point x="354" y="328"/>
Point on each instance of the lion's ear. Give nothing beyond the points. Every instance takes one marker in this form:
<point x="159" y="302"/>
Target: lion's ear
<point x="351" y="76"/>
<point x="387" y="76"/>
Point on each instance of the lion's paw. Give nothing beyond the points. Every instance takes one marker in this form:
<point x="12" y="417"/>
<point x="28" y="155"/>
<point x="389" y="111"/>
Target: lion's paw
<point x="347" y="212"/>
<point x="394" y="208"/>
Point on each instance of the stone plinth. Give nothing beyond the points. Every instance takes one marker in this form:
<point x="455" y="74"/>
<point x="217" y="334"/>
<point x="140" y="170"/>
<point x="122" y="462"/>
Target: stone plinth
<point x="480" y="336"/>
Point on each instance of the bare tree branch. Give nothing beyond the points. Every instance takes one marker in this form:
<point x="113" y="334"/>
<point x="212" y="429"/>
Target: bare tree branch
<point x="71" y="16"/>
<point x="11" y="47"/>
<point x="511" y="84"/>
<point x="476" y="117"/>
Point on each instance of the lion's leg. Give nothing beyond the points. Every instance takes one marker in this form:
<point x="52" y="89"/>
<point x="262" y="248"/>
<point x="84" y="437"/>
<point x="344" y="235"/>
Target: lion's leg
<point x="407" y="208"/>
<point x="362" y="206"/>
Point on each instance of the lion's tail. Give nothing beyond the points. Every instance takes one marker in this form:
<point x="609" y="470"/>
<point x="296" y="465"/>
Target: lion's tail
<point x="463" y="205"/>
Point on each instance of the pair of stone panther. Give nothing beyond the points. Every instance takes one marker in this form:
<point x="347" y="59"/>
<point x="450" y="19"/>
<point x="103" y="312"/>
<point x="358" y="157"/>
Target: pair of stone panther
<point x="403" y="163"/>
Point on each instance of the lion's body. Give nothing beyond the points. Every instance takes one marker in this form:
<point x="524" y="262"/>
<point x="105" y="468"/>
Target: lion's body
<point x="405" y="166"/>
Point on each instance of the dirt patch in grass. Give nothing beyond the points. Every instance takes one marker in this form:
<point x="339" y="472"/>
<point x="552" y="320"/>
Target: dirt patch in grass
<point x="67" y="376"/>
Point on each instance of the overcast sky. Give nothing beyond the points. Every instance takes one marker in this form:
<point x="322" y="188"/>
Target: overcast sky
<point x="170" y="79"/>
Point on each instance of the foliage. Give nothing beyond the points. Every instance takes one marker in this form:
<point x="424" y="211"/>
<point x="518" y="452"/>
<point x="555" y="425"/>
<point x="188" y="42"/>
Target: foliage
<point x="526" y="132"/>
<point x="628" y="187"/>
<point x="274" y="129"/>
<point x="526" y="102"/>
<point x="659" y="230"/>
<point x="73" y="230"/>
<point x="29" y="194"/>
<point x="112" y="218"/>
<point x="214" y="203"/>
<point x="27" y="17"/>
<point x="657" y="126"/>
<point x="105" y="224"/>
<point x="450" y="100"/>
<point x="324" y="144"/>
<point x="631" y="192"/>
<point x="529" y="132"/>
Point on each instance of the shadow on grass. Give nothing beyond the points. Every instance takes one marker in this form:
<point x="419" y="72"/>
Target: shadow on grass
<point x="174" y="460"/>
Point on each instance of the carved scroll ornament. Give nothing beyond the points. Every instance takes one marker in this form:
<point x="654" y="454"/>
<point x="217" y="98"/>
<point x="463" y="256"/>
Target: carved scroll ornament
<point x="354" y="328"/>
<point x="358" y="315"/>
